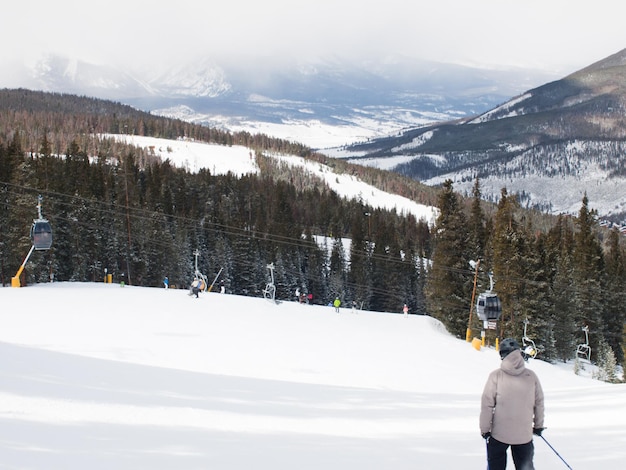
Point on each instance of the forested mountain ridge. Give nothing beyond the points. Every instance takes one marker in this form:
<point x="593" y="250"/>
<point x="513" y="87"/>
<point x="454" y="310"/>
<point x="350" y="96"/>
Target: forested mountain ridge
<point x="116" y="197"/>
<point x="570" y="133"/>
<point x="61" y="118"/>
<point x="32" y="117"/>
<point x="141" y="219"/>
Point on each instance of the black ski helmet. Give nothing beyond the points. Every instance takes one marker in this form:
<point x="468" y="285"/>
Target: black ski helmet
<point x="507" y="346"/>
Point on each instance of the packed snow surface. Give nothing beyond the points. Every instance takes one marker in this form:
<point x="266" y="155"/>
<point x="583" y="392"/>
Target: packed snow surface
<point x="99" y="376"/>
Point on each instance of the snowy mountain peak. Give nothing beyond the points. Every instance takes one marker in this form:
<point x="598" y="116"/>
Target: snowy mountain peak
<point x="63" y="74"/>
<point x="203" y="80"/>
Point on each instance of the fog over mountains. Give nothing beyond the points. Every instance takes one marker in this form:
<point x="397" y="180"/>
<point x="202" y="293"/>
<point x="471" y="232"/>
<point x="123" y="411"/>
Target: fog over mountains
<point x="365" y="100"/>
<point x="428" y="120"/>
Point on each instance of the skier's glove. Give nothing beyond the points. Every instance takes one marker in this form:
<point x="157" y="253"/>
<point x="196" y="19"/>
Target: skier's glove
<point x="538" y="431"/>
<point x="486" y="435"/>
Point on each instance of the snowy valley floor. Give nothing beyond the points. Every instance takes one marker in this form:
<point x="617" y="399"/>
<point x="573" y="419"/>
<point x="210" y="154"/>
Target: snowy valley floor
<point x="97" y="376"/>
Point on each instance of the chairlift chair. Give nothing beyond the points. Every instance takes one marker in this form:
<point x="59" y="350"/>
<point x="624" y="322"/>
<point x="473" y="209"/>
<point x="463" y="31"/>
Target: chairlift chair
<point x="528" y="345"/>
<point x="197" y="275"/>
<point x="269" y="292"/>
<point x="583" y="350"/>
<point x="270" y="289"/>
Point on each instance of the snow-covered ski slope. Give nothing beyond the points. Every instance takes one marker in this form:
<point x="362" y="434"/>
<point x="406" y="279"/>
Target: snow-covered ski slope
<point x="239" y="160"/>
<point x="97" y="376"/>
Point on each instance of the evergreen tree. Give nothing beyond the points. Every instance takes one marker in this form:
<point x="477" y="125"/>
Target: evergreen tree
<point x="359" y="274"/>
<point x="587" y="275"/>
<point x="420" y="288"/>
<point x="22" y="210"/>
<point x="314" y="274"/>
<point x="606" y="362"/>
<point x="409" y="287"/>
<point x="396" y="285"/>
<point x="615" y="294"/>
<point x="536" y="302"/>
<point x="476" y="226"/>
<point x="563" y="290"/>
<point x="9" y="161"/>
<point x="449" y="280"/>
<point x="337" y="266"/>
<point x="509" y="259"/>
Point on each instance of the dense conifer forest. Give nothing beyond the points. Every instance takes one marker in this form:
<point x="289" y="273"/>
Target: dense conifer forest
<point x="117" y="210"/>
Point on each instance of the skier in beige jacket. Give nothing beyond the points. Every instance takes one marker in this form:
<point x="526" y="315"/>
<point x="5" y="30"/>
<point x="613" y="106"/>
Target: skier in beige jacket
<point x="511" y="410"/>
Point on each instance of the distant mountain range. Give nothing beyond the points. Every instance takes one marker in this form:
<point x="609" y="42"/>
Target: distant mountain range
<point x="367" y="100"/>
<point x="551" y="145"/>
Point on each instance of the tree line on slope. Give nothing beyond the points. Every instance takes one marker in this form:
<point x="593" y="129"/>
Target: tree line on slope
<point x="30" y="117"/>
<point x="142" y="222"/>
<point x="32" y="120"/>
<point x="558" y="281"/>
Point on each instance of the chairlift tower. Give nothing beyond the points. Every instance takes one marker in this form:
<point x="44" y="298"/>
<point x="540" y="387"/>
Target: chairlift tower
<point x="468" y="332"/>
<point x="528" y="345"/>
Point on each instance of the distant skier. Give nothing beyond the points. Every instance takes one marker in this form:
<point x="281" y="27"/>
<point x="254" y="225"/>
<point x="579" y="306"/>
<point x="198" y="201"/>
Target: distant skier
<point x="196" y="285"/>
<point x="298" y="295"/>
<point x="354" y="306"/>
<point x="166" y="282"/>
<point x="222" y="288"/>
<point x="405" y="309"/>
<point x="337" y="304"/>
<point x="518" y="413"/>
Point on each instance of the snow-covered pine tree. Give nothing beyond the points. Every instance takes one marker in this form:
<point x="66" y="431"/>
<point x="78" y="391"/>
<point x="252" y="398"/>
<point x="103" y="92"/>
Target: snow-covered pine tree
<point x="606" y="363"/>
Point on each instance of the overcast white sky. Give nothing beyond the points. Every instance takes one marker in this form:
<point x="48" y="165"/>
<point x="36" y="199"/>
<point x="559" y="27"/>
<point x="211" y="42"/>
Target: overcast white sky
<point x="558" y="35"/>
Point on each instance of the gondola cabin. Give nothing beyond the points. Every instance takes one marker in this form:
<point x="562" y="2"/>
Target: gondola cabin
<point x="41" y="234"/>
<point x="488" y="306"/>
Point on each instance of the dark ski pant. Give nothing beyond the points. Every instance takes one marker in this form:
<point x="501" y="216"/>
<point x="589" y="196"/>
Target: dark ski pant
<point x="522" y="455"/>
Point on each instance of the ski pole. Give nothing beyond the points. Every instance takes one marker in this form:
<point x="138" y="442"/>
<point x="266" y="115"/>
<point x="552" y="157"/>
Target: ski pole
<point x="557" y="454"/>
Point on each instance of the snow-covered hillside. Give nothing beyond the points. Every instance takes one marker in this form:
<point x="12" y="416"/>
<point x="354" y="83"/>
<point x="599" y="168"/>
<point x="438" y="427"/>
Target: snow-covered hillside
<point x="559" y="195"/>
<point x="98" y="376"/>
<point x="239" y="160"/>
<point x="307" y="129"/>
